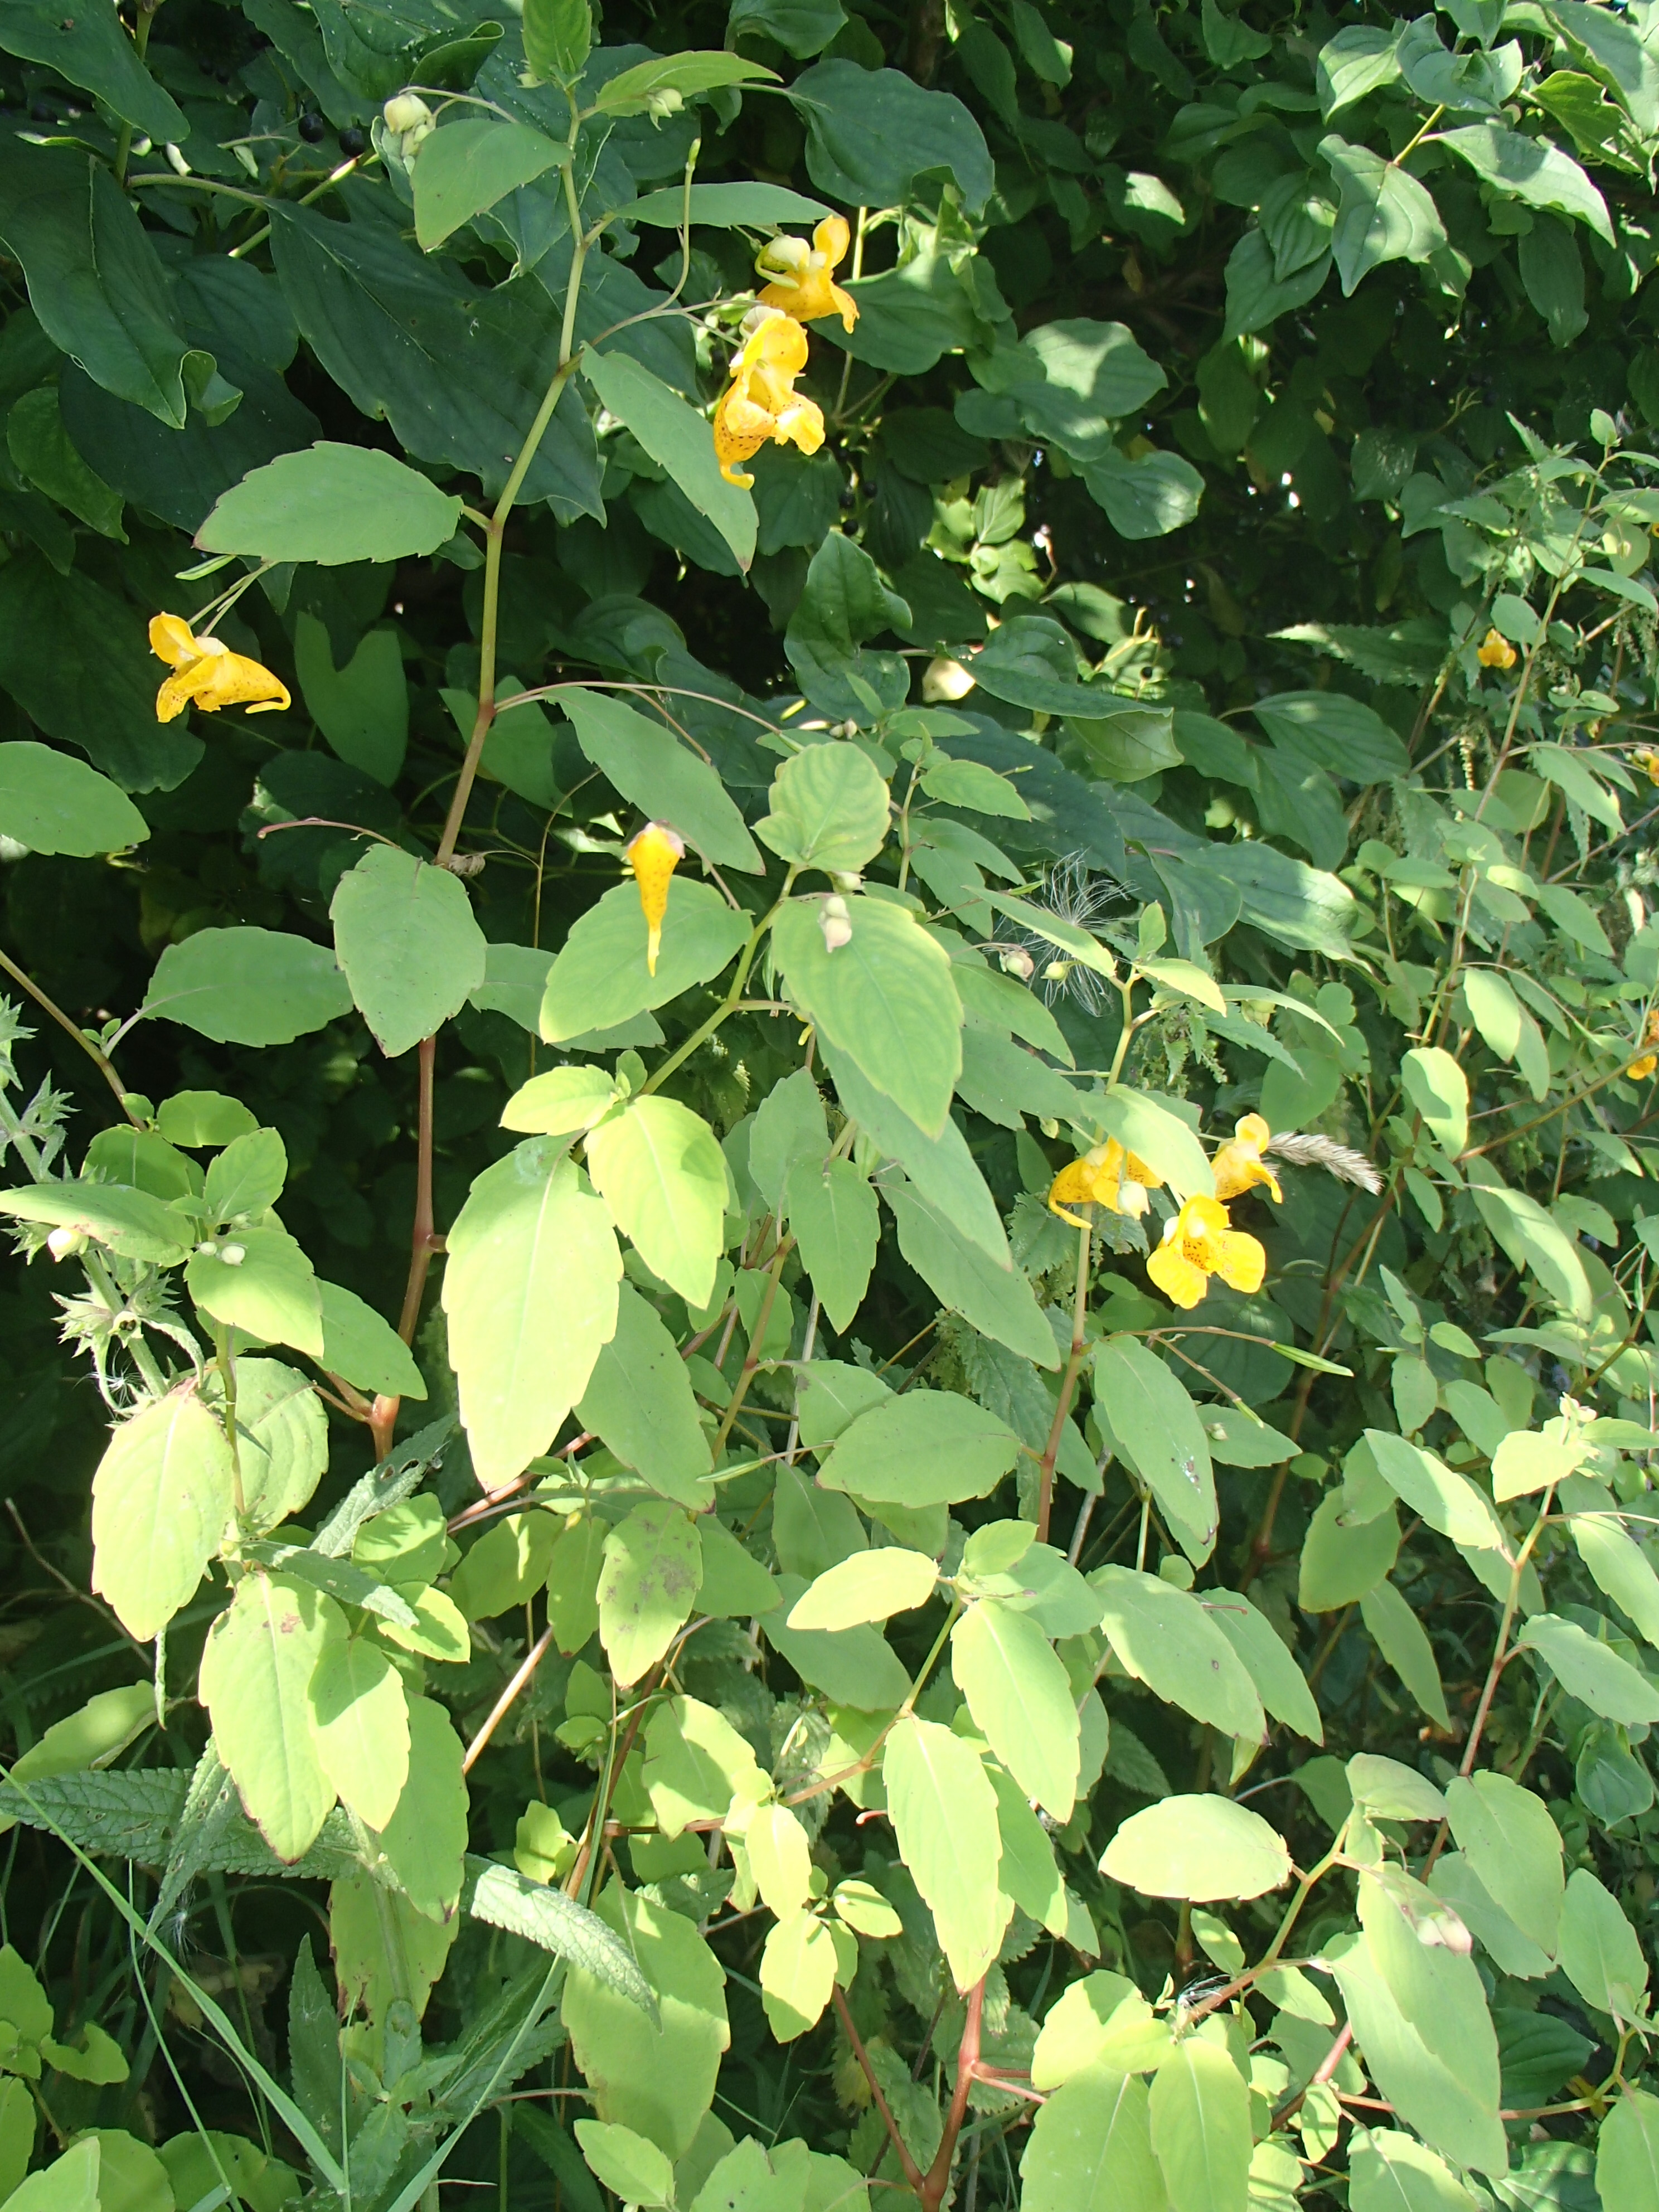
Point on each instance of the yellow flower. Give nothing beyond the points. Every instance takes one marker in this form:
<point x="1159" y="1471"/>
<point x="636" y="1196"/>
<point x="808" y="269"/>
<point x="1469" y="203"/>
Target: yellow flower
<point x="801" y="284"/>
<point x="1644" y="1067"/>
<point x="1239" y="1165"/>
<point x="1107" y="1176"/>
<point x="1199" y="1243"/>
<point x="208" y="674"/>
<point x="654" y="855"/>
<point x="1495" y="650"/>
<point x="1647" y="760"/>
<point x="761" y="401"/>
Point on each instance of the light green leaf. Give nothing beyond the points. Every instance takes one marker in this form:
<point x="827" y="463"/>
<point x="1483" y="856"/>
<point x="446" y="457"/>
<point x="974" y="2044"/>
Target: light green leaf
<point x="132" y="1222"/>
<point x="1388" y="2171"/>
<point x="1357" y="61"/>
<point x="1200" y="2107"/>
<point x="926" y="1447"/>
<point x="256" y="1666"/>
<point x="855" y="1667"/>
<point x="1200" y="1848"/>
<point x="1165" y="1639"/>
<point x="247" y="986"/>
<point x="628" y="2165"/>
<point x="70" y="2183"/>
<point x="797" y="1973"/>
<point x="1401" y="1639"/>
<point x="1620" y="1567"/>
<point x="678" y="439"/>
<point x="1588" y="1669"/>
<point x="1438" y="1087"/>
<point x="734" y="1583"/>
<point x="639" y="1402"/>
<point x="780" y="1858"/>
<point x="53" y="803"/>
<point x="1100" y="2022"/>
<point x="161" y="1501"/>
<point x="1533" y="1240"/>
<point x="653" y="1566"/>
<point x="1091" y="2149"/>
<point x="1531" y="170"/>
<point x="599" y="978"/>
<point x="424" y="1843"/>
<point x="727" y="207"/>
<point x="1508" y="1838"/>
<point x="260" y="1281"/>
<point x="836" y="1222"/>
<point x="99" y="1732"/>
<point x="561" y="1101"/>
<point x="1627" y="2153"/>
<point x="1448" y="1501"/>
<point x="695" y="1763"/>
<point x="1028" y="1872"/>
<point x="870" y="1586"/>
<point x="364" y="1348"/>
<point x="1152" y="1422"/>
<point x="333" y="504"/>
<point x="830" y="809"/>
<point x="660" y="1170"/>
<point x="360" y="1720"/>
<point x="1343" y="1557"/>
<point x="530" y="1288"/>
<point x="507" y="1566"/>
<point x="1280" y="1681"/>
<point x="633" y="92"/>
<point x="944" y="1812"/>
<point x="466" y="168"/>
<point x="407" y="944"/>
<point x="998" y="1300"/>
<point x="1391" y="1792"/>
<point x="942" y="1167"/>
<point x="1601" y="1953"/>
<point x="1021" y="1698"/>
<point x="1160" y="1138"/>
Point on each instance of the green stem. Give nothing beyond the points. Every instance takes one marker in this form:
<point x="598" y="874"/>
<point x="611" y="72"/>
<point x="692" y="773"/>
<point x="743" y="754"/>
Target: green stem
<point x="140" y="42"/>
<point x="730" y="1003"/>
<point x="751" y="1356"/>
<point x="228" y="1376"/>
<point x="1068" y="1388"/>
<point x="105" y="1067"/>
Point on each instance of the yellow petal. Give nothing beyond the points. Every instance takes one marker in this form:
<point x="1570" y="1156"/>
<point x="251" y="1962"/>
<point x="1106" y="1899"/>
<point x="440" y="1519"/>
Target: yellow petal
<point x="1180" y="1282"/>
<point x="1252" y="1130"/>
<point x="1240" y="1260"/>
<point x="1641" y="1069"/>
<point x="236" y="681"/>
<point x="170" y="640"/>
<point x="654" y="855"/>
<point x="832" y="238"/>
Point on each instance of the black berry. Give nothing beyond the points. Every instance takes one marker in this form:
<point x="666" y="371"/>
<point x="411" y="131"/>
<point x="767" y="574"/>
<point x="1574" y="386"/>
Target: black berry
<point x="354" y="140"/>
<point x="312" y="128"/>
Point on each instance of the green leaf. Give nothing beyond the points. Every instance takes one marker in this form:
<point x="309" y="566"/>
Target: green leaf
<point x="884" y="998"/>
<point x="407" y="944"/>
<point x="1027" y="1871"/>
<point x="161" y="1501"/>
<point x="1530" y="170"/>
<point x="870" y="133"/>
<point x="1021" y="1698"/>
<point x="1239" y="1437"/>
<point x="466" y="167"/>
<point x="70" y="2183"/>
<point x="927" y="1448"/>
<point x="1160" y="1138"/>
<point x="1280" y="1681"/>
<point x="364" y="1348"/>
<point x="869" y="1586"/>
<point x="1401" y="1639"/>
<point x="1601" y="1953"/>
<point x="942" y="1167"/>
<point x="1514" y="1847"/>
<point x="696" y="1763"/>
<point x="332" y="504"/>
<point x="1200" y="1848"/>
<point x="424" y="1843"/>
<point x="1030" y="662"/>
<point x="282" y="1439"/>
<point x="829" y="810"/>
<point x="639" y="1402"/>
<point x="96" y="2056"/>
<point x="1091" y="2148"/>
<point x="648" y="765"/>
<point x="54" y="804"/>
<point x="600" y="979"/>
<point x="42" y="451"/>
<point x="836" y="1222"/>
<point x="133" y="1222"/>
<point x="653" y="1566"/>
<point x="257" y="1668"/>
<point x="1393" y="2173"/>
<point x="1152" y="1423"/>
<point x="1147" y="495"/>
<point x="855" y="1667"/>
<point x="630" y="2165"/>
<point x="360" y="1725"/>
<point x="1627" y="2154"/>
<point x="93" y="49"/>
<point x="998" y="1300"/>
<point x="676" y="437"/>
<point x="459" y="374"/>
<point x="1384" y="214"/>
<point x="248" y="986"/>
<point x="1199" y="2109"/>
<point x="843" y="603"/>
<point x="1448" y="1502"/>
<point x="658" y="2079"/>
<point x="1164" y="1638"/>
<point x="797" y="1974"/>
<point x="1590" y="1671"/>
<point x="95" y="280"/>
<point x="99" y="1732"/>
<point x="1438" y="1087"/>
<point x="944" y="1812"/>
<point x="530" y="1288"/>
<point x="507" y="1566"/>
<point x="633" y="91"/>
<point x="1358" y="60"/>
<point x="562" y="1102"/>
<point x="557" y="37"/>
<point x="659" y="1169"/>
<point x="735" y="1585"/>
<point x="727" y="207"/>
<point x="260" y="1280"/>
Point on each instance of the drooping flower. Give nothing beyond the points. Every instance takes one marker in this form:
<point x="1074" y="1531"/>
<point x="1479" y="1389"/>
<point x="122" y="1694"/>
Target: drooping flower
<point x="1239" y="1165"/>
<point x="654" y="855"/>
<point x="206" y="673"/>
<point x="1200" y="1242"/>
<point x="1495" y="651"/>
<point x="760" y="401"/>
<point x="1642" y="1067"/>
<point x="801" y="283"/>
<point x="1106" y="1176"/>
<point x="1647" y="760"/>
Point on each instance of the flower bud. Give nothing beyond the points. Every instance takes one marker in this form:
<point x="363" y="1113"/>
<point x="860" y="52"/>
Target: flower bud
<point x="660" y="106"/>
<point x="406" y="112"/>
<point x="1015" y="960"/>
<point x="945" y="680"/>
<point x="65" y="1243"/>
<point x="835" y="923"/>
<point x="232" y="1254"/>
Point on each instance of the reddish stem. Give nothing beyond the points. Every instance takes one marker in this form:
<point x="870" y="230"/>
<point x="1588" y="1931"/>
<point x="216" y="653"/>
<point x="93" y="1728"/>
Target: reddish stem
<point x="913" y="2173"/>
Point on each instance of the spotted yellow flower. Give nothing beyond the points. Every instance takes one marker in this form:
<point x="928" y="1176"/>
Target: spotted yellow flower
<point x="1107" y="1176"/>
<point x="1200" y="1242"/>
<point x="206" y="673"/>
<point x="1495" y="651"/>
<point x="801" y="283"/>
<point x="761" y="402"/>
<point x="1239" y="1165"/>
<point x="1643" y="1067"/>
<point x="654" y="855"/>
